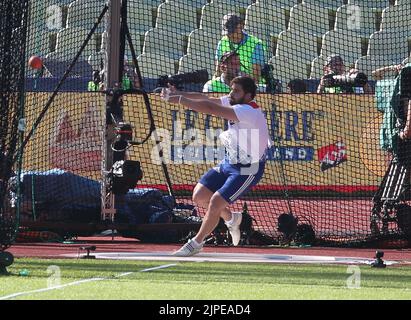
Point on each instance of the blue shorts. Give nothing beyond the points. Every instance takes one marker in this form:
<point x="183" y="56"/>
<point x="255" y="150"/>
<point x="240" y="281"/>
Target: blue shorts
<point x="232" y="180"/>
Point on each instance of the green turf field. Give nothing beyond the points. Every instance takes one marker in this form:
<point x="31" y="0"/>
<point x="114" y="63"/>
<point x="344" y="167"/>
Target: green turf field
<point x="124" y="280"/>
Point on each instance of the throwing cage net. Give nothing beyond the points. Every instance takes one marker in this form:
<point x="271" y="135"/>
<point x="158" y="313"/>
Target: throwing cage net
<point x="13" y="26"/>
<point x="313" y="62"/>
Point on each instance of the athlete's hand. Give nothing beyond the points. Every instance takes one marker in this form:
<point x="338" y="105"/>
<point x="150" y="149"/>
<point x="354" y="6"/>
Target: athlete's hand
<point x="168" y="95"/>
<point x="165" y="94"/>
<point x="173" y="89"/>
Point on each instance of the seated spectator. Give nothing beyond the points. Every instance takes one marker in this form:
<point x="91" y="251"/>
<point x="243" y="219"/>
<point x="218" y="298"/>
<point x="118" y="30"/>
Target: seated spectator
<point x="229" y="68"/>
<point x="130" y="77"/>
<point x="95" y="84"/>
<point x="334" y="66"/>
<point x="249" y="48"/>
<point x="296" y="86"/>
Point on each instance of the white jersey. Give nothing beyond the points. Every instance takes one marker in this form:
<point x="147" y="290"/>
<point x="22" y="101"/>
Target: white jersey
<point x="246" y="141"/>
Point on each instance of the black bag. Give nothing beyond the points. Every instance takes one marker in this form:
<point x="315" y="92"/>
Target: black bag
<point x="404" y="218"/>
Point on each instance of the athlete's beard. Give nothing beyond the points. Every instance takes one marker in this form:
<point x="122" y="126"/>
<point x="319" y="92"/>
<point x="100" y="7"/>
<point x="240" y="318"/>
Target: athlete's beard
<point x="239" y="101"/>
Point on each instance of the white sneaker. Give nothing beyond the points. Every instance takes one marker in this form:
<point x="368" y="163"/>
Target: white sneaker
<point x="234" y="228"/>
<point x="189" y="249"/>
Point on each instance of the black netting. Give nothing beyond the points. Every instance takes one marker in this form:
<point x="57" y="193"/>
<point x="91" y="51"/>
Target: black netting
<point x="64" y="113"/>
<point x="13" y="27"/>
<point x="313" y="62"/>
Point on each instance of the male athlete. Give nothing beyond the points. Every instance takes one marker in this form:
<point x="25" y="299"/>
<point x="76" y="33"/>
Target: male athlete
<point x="246" y="142"/>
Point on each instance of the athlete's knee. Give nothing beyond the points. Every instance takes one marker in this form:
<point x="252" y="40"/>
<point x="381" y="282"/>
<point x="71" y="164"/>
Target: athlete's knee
<point x="217" y="204"/>
<point x="201" y="197"/>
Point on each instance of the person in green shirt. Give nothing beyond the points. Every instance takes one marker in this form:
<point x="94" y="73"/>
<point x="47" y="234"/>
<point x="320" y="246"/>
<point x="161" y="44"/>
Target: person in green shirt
<point x="250" y="49"/>
<point x="229" y="68"/>
<point x="94" y="85"/>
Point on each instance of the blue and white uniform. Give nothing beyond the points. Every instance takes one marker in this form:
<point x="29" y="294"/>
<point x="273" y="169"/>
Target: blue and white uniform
<point x="246" y="143"/>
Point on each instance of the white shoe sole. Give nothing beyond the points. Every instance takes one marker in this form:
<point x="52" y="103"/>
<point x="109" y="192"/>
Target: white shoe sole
<point x="237" y="233"/>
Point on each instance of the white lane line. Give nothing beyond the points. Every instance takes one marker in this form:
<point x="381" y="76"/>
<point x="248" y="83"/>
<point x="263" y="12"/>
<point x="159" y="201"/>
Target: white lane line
<point x="24" y="293"/>
<point x="160" y="267"/>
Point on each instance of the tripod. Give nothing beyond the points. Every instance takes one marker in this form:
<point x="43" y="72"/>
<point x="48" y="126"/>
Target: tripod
<point x="390" y="193"/>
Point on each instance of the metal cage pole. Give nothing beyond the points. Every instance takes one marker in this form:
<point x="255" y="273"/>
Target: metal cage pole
<point x="113" y="72"/>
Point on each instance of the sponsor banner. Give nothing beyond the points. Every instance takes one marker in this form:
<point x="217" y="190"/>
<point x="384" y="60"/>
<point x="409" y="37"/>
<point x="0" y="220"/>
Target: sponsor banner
<point x="317" y="140"/>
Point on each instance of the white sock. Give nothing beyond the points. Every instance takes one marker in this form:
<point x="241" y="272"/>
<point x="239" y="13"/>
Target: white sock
<point x="195" y="243"/>
<point x="232" y="219"/>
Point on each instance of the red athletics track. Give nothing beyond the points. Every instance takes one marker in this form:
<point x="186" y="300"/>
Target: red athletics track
<point x="341" y="216"/>
<point x="105" y="244"/>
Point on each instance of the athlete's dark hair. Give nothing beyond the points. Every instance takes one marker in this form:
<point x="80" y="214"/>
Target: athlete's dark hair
<point x="247" y="84"/>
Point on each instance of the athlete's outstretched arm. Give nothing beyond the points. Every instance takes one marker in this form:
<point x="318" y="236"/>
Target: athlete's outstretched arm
<point x="208" y="106"/>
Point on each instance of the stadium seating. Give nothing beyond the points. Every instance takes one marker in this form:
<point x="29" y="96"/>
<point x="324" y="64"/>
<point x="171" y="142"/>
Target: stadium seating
<point x="38" y="42"/>
<point x="153" y="65"/>
<point x="137" y="44"/>
<point x="280" y="3"/>
<point x="265" y="20"/>
<point x="83" y="14"/>
<point x="201" y="42"/>
<point x="302" y="46"/>
<point x="140" y="14"/>
<point x="310" y="18"/>
<point x="357" y="19"/>
<point x="194" y="3"/>
<point x="333" y="4"/>
<point x="397" y="19"/>
<point x="175" y="20"/>
<point x="317" y="67"/>
<point x="95" y="58"/>
<point x="345" y="43"/>
<point x="212" y="15"/>
<point x="46" y="14"/>
<point x="391" y="44"/>
<point x="402" y="2"/>
<point x="367" y="64"/>
<point x="165" y="42"/>
<point x="240" y="3"/>
<point x="179" y="17"/>
<point x="288" y="68"/>
<point x="380" y="4"/>
<point x="69" y="41"/>
<point x="189" y="63"/>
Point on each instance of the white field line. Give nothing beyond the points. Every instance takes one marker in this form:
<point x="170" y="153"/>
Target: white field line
<point x="24" y="293"/>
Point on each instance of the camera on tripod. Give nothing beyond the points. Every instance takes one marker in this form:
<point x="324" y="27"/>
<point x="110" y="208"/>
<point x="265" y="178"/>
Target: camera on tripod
<point x="272" y="85"/>
<point x="124" y="131"/>
<point x="178" y="80"/>
<point x="357" y="79"/>
<point x="124" y="176"/>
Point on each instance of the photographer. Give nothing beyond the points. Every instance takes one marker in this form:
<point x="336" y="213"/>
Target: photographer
<point x="229" y="68"/>
<point x="337" y="80"/>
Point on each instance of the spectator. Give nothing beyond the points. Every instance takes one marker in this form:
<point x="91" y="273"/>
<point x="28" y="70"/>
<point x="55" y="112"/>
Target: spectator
<point x="229" y="68"/>
<point x="249" y="48"/>
<point x="296" y="86"/>
<point x="130" y="77"/>
<point x="95" y="84"/>
<point x="334" y="66"/>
